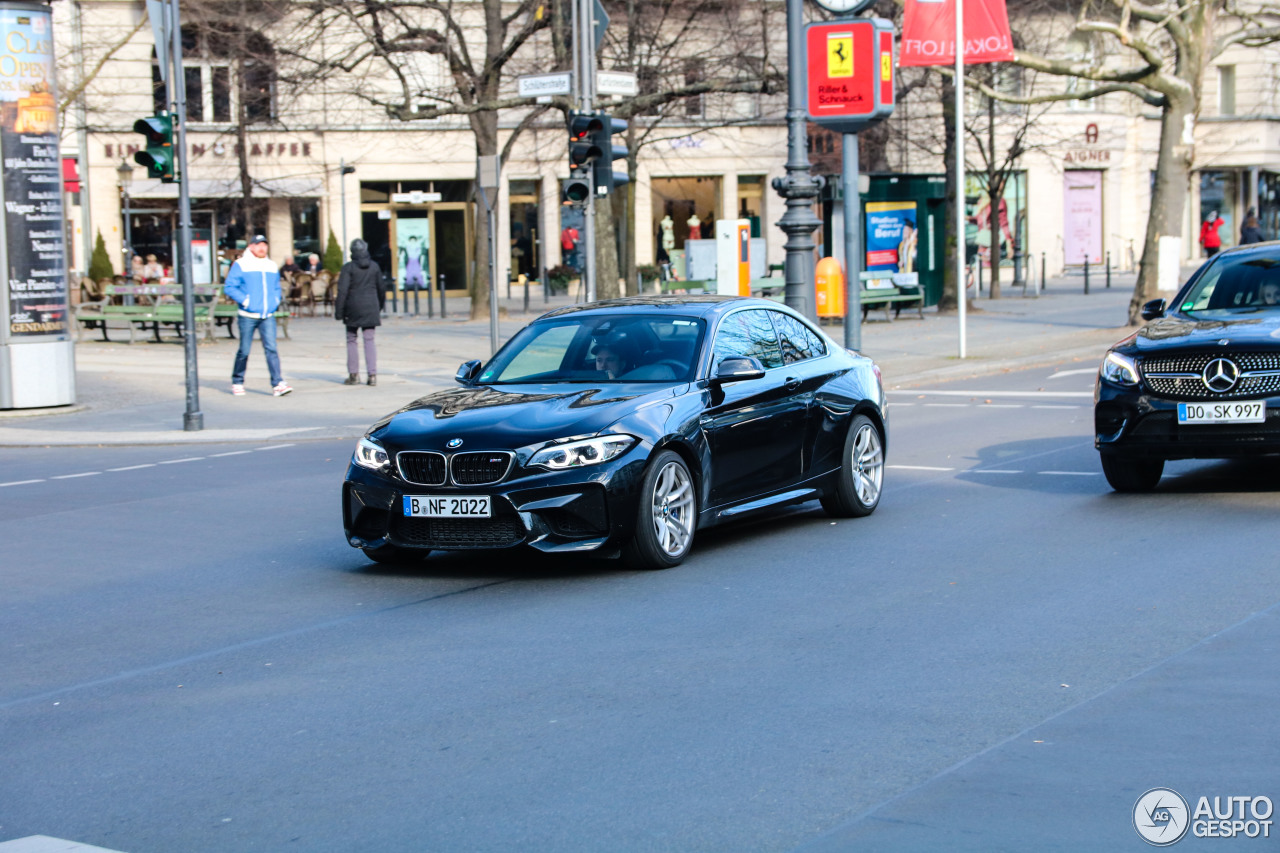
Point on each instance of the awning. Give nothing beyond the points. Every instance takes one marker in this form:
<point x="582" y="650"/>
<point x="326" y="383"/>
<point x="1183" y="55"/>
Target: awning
<point x="203" y="188"/>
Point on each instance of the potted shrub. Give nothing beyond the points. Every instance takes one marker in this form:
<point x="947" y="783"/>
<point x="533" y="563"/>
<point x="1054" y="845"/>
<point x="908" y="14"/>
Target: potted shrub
<point x="650" y="275"/>
<point x="558" y="278"/>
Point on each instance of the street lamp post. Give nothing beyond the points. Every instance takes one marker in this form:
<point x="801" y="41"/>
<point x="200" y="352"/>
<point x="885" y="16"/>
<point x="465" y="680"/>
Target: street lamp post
<point x="124" y="179"/>
<point x="799" y="187"/>
<point x="344" y="170"/>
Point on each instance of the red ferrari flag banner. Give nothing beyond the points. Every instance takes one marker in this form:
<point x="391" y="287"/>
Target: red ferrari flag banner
<point x="929" y="27"/>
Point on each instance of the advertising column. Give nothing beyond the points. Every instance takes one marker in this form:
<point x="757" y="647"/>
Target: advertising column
<point x="37" y="356"/>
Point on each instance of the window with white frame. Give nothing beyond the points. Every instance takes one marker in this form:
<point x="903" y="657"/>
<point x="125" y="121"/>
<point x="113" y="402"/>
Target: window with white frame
<point x="225" y="68"/>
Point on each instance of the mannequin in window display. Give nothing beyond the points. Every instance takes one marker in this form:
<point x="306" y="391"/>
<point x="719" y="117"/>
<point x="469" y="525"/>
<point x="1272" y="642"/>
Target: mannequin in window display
<point x="668" y="233"/>
<point x="695" y="227"/>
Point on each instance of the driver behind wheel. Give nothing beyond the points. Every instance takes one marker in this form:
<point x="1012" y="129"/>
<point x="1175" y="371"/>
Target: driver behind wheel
<point x="614" y="355"/>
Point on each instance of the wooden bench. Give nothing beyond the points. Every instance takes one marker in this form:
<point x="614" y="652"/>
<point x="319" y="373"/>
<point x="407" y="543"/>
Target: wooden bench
<point x="166" y="310"/>
<point x="890" y="297"/>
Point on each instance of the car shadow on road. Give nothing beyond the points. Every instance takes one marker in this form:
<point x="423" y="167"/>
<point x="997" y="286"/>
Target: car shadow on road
<point x="1069" y="465"/>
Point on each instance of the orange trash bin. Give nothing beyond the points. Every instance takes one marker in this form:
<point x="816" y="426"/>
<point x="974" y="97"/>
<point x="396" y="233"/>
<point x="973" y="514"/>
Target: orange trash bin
<point x="829" y="284"/>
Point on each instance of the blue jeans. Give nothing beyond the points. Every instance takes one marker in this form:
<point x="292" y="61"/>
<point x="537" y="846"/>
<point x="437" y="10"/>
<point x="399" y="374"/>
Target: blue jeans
<point x="267" y="331"/>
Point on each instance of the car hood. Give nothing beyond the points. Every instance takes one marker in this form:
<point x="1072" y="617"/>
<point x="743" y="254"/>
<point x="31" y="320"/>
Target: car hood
<point x="510" y="416"/>
<point x="1179" y="331"/>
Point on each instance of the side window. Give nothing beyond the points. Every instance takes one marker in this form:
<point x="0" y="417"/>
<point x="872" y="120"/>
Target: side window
<point x="748" y="333"/>
<point x="798" y="340"/>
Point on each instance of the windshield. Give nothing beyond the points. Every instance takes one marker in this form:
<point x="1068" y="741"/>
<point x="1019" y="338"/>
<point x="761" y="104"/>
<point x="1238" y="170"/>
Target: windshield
<point x="600" y="348"/>
<point x="1236" y="284"/>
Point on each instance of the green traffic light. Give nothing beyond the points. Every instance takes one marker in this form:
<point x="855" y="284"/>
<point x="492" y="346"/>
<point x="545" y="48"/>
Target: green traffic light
<point x="158" y="158"/>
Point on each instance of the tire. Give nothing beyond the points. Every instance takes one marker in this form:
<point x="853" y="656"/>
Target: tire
<point x="861" y="478"/>
<point x="666" y="515"/>
<point x="392" y="556"/>
<point x="1126" y="474"/>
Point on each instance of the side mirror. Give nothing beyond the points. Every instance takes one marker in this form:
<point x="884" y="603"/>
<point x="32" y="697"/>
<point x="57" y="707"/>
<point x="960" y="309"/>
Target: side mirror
<point x="468" y="372"/>
<point x="1153" y="309"/>
<point x="737" y="369"/>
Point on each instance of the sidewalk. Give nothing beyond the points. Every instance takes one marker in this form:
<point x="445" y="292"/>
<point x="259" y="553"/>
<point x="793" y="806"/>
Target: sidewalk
<point x="136" y="394"/>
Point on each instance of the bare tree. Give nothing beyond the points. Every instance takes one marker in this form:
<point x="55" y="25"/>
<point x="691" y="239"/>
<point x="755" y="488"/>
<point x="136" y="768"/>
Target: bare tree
<point x="1160" y="52"/>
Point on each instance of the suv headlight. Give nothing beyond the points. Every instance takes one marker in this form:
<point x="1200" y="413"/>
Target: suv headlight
<point x="1119" y="369"/>
<point x="369" y="454"/>
<point x="587" y="451"/>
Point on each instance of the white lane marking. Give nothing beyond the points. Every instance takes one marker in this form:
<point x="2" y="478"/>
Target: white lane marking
<point x="134" y="467"/>
<point x="275" y="447"/>
<point x="920" y="393"/>
<point x="991" y="471"/>
<point x="1070" y="473"/>
<point x="73" y="476"/>
<point x="949" y="405"/>
<point x="1004" y="405"/>
<point x="1092" y="371"/>
<point x="1056" y="407"/>
<point x="230" y="453"/>
<point x="20" y="483"/>
<point x="176" y="461"/>
<point x="918" y="468"/>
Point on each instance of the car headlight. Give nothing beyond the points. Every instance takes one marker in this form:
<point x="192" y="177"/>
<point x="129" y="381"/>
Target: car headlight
<point x="369" y="454"/>
<point x="1119" y="369"/>
<point x="587" y="451"/>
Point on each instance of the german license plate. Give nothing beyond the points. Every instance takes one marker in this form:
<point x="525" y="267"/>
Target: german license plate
<point x="447" y="506"/>
<point x="1222" y="413"/>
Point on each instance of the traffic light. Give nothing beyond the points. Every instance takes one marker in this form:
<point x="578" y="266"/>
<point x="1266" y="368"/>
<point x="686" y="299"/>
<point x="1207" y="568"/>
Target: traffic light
<point x="583" y="147"/>
<point x="603" y="176"/>
<point x="159" y="156"/>
<point x="578" y="186"/>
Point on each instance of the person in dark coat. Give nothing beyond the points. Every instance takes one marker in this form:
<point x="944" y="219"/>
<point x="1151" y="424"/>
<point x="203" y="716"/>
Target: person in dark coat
<point x="1251" y="231"/>
<point x="359" y="306"/>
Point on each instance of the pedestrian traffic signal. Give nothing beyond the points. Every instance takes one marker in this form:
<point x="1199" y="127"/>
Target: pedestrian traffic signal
<point x="583" y="147"/>
<point x="578" y="186"/>
<point x="603" y="176"/>
<point x="159" y="156"/>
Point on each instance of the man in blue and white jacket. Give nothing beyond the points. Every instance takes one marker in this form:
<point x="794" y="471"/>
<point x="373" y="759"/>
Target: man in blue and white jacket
<point x="253" y="283"/>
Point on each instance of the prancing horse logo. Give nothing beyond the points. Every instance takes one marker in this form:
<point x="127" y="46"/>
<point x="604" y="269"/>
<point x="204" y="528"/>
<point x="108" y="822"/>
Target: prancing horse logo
<point x="1221" y="375"/>
<point x="455" y="443"/>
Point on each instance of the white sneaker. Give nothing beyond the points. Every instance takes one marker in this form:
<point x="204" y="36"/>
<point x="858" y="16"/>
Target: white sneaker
<point x="281" y="389"/>
<point x="237" y="390"/>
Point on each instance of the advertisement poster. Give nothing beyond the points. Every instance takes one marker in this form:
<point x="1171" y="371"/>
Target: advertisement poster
<point x="35" y="251"/>
<point x="413" y="239"/>
<point x="201" y="262"/>
<point x="1008" y="219"/>
<point x="892" y="243"/>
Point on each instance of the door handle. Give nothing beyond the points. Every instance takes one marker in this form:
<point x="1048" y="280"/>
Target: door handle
<point x="792" y="383"/>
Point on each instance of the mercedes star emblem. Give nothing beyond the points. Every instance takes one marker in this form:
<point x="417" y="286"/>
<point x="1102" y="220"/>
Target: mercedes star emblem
<point x="455" y="443"/>
<point x="1221" y="375"/>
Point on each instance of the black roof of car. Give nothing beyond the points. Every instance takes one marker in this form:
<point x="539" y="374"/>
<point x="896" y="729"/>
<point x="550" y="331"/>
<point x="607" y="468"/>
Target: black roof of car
<point x="689" y="303"/>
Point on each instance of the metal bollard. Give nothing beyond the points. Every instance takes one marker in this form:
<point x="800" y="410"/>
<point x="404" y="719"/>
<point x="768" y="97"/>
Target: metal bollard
<point x="1086" y="275"/>
<point x="443" y="287"/>
<point x="395" y="299"/>
<point x="1044" y="282"/>
<point x="431" y="307"/>
<point x="1108" y="270"/>
<point x="546" y="284"/>
<point x="416" y="288"/>
<point x="978" y="263"/>
<point x="526" y="295"/>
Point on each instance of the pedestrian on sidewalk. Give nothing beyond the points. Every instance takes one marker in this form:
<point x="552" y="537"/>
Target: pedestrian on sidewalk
<point x="1209" y="236"/>
<point x="1251" y="231"/>
<point x="359" y="305"/>
<point x="253" y="283"/>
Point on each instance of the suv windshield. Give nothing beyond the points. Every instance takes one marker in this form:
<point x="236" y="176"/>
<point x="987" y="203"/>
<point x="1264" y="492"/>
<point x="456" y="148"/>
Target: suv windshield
<point x="600" y="348"/>
<point x="1242" y="283"/>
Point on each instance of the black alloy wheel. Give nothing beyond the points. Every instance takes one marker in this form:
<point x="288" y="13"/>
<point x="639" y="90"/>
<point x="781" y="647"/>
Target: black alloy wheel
<point x="1126" y="474"/>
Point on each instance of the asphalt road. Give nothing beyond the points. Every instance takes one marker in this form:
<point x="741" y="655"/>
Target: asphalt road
<point x="1003" y="657"/>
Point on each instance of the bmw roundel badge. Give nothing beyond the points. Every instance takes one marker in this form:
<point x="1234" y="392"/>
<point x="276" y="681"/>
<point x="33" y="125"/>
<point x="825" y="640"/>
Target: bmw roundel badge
<point x="453" y="443"/>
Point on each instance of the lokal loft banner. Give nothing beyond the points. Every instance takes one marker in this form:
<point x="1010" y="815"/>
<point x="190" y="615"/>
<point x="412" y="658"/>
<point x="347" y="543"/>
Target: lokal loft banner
<point x="929" y="32"/>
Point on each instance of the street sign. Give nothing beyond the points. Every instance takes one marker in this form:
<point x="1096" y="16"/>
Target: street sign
<point x="849" y="67"/>
<point x="539" y="85"/>
<point x="159" y="36"/>
<point x="600" y="20"/>
<point x="415" y="197"/>
<point x="622" y="83"/>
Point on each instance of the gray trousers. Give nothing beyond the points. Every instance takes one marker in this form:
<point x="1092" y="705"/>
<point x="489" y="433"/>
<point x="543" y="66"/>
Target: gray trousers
<point x="370" y="351"/>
